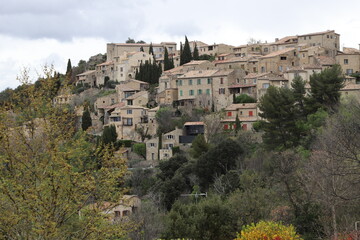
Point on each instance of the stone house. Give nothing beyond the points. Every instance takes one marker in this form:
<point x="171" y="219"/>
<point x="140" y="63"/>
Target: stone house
<point x="215" y="49"/>
<point x="114" y="50"/>
<point x="127" y="64"/>
<point x="88" y="77"/>
<point x="121" y="210"/>
<point x="270" y="79"/>
<point x="247" y="85"/>
<point x="129" y="87"/>
<point x="349" y="60"/>
<point x="279" y="61"/>
<point x="247" y="113"/>
<point x="330" y="40"/>
<point x="126" y="119"/>
<point x="138" y="99"/>
<point x="104" y="72"/>
<point x="249" y="64"/>
<point x="169" y="140"/>
<point x="205" y="88"/>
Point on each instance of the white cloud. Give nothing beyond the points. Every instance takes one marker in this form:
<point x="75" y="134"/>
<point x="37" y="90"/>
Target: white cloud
<point x="33" y="33"/>
<point x="17" y="53"/>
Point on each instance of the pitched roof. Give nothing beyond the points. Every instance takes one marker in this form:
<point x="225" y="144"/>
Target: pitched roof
<point x="106" y="63"/>
<point x="242" y="85"/>
<point x="193" y="123"/>
<point x="277" y="53"/>
<point x="86" y="73"/>
<point x="324" y="60"/>
<point x="195" y="62"/>
<point x="318" y="33"/>
<point x="136" y="95"/>
<point x="198" y="73"/>
<point x="255" y="75"/>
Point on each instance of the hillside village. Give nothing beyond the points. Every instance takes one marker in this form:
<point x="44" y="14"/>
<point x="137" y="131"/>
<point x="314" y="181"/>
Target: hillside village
<point x="197" y="141"/>
<point x="207" y="85"/>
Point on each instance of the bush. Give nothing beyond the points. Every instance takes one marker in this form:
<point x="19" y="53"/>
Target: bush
<point x="268" y="231"/>
<point x="123" y="143"/>
<point x="244" y="98"/>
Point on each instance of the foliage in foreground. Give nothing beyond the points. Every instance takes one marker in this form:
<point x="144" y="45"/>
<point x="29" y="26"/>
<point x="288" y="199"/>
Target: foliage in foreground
<point x="49" y="173"/>
<point x="268" y="231"/>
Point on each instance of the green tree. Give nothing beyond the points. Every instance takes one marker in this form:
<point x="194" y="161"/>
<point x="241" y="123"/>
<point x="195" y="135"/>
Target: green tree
<point x="186" y="55"/>
<point x="151" y="50"/>
<point x="237" y="124"/>
<point x="45" y="181"/>
<point x="141" y="49"/>
<point x="199" y="146"/>
<point x="68" y="67"/>
<point x="168" y="63"/>
<point x="130" y="40"/>
<point x="140" y="149"/>
<point x="217" y="161"/>
<point x="277" y="106"/>
<point x="210" y="219"/>
<point x="196" y="53"/>
<point x="325" y="88"/>
<point x="86" y="121"/>
<point x="109" y="135"/>
<point x="244" y="98"/>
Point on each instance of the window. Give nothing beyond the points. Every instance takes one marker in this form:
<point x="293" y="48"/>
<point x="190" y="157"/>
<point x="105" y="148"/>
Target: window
<point x="250" y="113"/>
<point x="229" y="114"/>
<point x="266" y="49"/>
<point x="226" y="127"/>
<point x="170" y="136"/>
<point x="199" y="91"/>
<point x="304" y="38"/>
<point x="121" y="69"/>
<point x="262" y="69"/>
<point x="346" y="61"/>
<point x="282" y="58"/>
<point x="327" y="36"/>
<point x="129" y="102"/>
<point x="181" y="93"/>
<point x="221" y="90"/>
<point x="198" y="81"/>
<point x="117" y="214"/>
<point x="244" y="126"/>
<point x="229" y="66"/>
<point x="128" y="122"/>
<point x="152" y="144"/>
<point x="309" y="37"/>
<point x="191" y="92"/>
<point x="190" y="81"/>
<point x="116" y="119"/>
<point x="129" y="111"/>
<point x="266" y="85"/>
<point x="179" y="82"/>
<point x="209" y="80"/>
<point x="207" y="91"/>
<point x="221" y="80"/>
<point x="280" y="68"/>
<point x="349" y="71"/>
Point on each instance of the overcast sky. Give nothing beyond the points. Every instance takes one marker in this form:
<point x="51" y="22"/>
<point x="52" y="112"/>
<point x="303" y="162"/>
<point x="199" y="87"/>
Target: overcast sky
<point x="38" y="32"/>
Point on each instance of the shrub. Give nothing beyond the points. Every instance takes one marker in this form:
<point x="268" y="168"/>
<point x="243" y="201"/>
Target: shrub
<point x="268" y="231"/>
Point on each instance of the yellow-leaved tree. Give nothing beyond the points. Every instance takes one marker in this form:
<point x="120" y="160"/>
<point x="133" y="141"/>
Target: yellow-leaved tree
<point x="268" y="231"/>
<point x="49" y="172"/>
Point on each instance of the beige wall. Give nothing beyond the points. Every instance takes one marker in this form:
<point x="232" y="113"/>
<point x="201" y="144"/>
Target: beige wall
<point x="126" y="65"/>
<point x="276" y="64"/>
<point x="329" y="40"/>
<point x="349" y="62"/>
<point x="117" y="49"/>
<point x="215" y="49"/>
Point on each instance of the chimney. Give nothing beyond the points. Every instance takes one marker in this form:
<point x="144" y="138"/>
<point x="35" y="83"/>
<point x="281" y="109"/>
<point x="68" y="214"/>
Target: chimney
<point x="276" y="39"/>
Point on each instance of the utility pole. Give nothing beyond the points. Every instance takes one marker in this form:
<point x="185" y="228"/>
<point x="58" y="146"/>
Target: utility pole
<point x="196" y="194"/>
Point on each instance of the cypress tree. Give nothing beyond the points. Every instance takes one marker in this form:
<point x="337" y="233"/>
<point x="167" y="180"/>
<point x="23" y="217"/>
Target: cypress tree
<point x="186" y="53"/>
<point x="181" y="52"/>
<point x="167" y="62"/>
<point x="237" y="124"/>
<point x="151" y="50"/>
<point x="172" y="65"/>
<point x="196" y="53"/>
<point x="69" y="67"/>
<point x="86" y="120"/>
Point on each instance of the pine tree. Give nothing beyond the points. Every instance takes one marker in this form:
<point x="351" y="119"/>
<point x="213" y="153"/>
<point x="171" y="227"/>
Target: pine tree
<point x="186" y="53"/>
<point x="86" y="120"/>
<point x="196" y="53"/>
